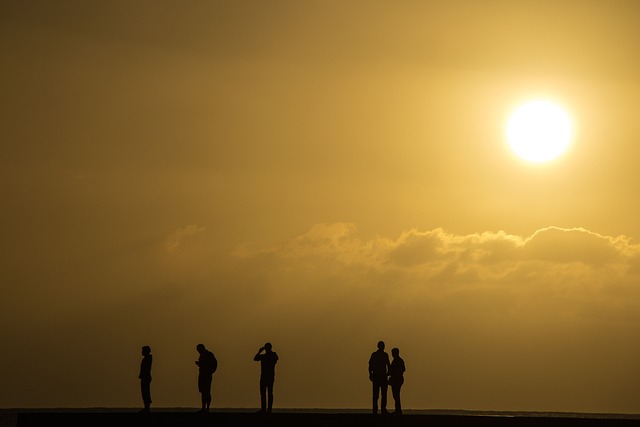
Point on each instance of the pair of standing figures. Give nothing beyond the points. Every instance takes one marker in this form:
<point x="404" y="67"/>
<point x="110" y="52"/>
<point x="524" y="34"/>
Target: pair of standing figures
<point x="383" y="373"/>
<point x="207" y="365"/>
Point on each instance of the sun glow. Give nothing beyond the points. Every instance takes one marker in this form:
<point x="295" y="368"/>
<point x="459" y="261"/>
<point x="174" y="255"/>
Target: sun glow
<point x="539" y="131"/>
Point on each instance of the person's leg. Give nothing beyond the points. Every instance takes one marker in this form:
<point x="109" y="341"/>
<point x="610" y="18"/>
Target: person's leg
<point x="270" y="391"/>
<point x="146" y="393"/>
<point x="263" y="395"/>
<point x="149" y="395"/>
<point x="204" y="386"/>
<point x="209" y="394"/>
<point x="383" y="398"/>
<point x="206" y="400"/>
<point x="203" y="392"/>
<point x="395" y="390"/>
<point x="376" y="389"/>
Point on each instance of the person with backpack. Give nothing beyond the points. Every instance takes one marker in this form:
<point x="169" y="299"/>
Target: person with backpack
<point x="207" y="365"/>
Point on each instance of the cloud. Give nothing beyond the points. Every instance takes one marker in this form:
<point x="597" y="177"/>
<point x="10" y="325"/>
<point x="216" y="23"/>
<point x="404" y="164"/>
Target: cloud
<point x="577" y="245"/>
<point x="562" y="272"/>
<point x="436" y="256"/>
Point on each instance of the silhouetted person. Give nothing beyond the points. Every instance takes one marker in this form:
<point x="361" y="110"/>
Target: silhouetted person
<point x="378" y="371"/>
<point x="396" y="378"/>
<point x="208" y="364"/>
<point x="268" y="361"/>
<point x="145" y="377"/>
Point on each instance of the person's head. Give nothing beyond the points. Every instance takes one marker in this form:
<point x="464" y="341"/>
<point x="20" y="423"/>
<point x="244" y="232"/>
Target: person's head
<point x="146" y="350"/>
<point x="268" y="346"/>
<point x="395" y="352"/>
<point x="200" y="348"/>
<point x="380" y="345"/>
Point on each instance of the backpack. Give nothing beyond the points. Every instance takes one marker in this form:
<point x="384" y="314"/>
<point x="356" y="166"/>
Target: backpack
<point x="214" y="363"/>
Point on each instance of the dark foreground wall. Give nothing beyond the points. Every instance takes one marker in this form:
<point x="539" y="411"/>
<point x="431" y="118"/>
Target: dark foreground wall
<point x="224" y="419"/>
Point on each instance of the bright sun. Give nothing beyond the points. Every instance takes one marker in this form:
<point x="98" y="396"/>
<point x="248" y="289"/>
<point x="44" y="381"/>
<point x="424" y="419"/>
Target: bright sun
<point x="539" y="131"/>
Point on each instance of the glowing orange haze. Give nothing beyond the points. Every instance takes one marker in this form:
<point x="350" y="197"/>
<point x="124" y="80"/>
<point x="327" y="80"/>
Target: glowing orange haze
<point x="321" y="176"/>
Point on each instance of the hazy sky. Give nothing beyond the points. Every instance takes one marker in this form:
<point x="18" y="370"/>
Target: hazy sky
<point x="321" y="175"/>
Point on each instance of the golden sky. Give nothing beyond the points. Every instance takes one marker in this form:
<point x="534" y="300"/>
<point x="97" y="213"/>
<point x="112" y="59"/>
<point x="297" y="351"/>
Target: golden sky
<point x="321" y="175"/>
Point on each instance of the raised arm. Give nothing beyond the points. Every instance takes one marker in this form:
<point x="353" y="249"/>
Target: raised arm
<point x="257" y="356"/>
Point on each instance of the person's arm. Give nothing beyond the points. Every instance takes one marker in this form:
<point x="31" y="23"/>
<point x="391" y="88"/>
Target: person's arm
<point x="145" y="368"/>
<point x="257" y="357"/>
<point x="370" y="368"/>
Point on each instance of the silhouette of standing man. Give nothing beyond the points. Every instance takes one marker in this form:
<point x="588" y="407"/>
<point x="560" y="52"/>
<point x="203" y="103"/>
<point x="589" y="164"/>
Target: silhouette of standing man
<point x="208" y="364"/>
<point x="268" y="362"/>
<point x="378" y="371"/>
<point x="145" y="377"/>
<point x="396" y="378"/>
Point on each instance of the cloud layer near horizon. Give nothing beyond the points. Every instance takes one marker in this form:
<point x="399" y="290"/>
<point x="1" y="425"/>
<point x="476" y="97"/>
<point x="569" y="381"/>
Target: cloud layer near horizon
<point x="552" y="258"/>
<point x="485" y="321"/>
